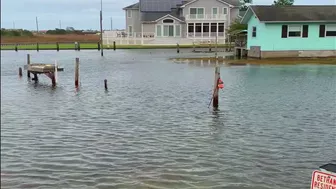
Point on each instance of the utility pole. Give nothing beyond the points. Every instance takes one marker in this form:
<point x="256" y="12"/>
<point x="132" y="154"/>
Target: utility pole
<point x="37" y="27"/>
<point x="101" y="28"/>
<point x="111" y="24"/>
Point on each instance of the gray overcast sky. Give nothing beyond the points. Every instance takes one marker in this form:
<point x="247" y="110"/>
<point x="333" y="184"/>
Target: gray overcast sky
<point x="80" y="14"/>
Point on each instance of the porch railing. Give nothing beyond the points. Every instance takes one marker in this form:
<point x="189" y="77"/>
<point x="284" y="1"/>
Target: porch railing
<point x="206" y="35"/>
<point x="206" y="17"/>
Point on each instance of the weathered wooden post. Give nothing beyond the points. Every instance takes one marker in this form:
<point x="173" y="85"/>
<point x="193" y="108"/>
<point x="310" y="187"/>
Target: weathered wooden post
<point x="16" y="47"/>
<point x="57" y="46"/>
<point x="37" y="47"/>
<point x="178" y="48"/>
<point x="20" y="72"/>
<point x="105" y="84"/>
<point x="77" y="72"/>
<point x="114" y="45"/>
<point x="98" y="47"/>
<point x="216" y="89"/>
<point x="55" y="77"/>
<point x="216" y="53"/>
<point x="28" y="63"/>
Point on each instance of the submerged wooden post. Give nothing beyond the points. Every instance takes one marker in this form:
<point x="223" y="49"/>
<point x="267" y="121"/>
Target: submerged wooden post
<point x="98" y="46"/>
<point x="20" y="72"/>
<point x="37" y="47"/>
<point x="114" y="45"/>
<point x="57" y="46"/>
<point x="216" y="89"/>
<point x="28" y="62"/>
<point x="105" y="84"/>
<point x="216" y="53"/>
<point x="178" y="48"/>
<point x="76" y="72"/>
<point x="54" y="79"/>
<point x="16" y="47"/>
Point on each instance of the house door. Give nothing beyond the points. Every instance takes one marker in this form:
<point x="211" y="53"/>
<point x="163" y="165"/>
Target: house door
<point x="168" y="30"/>
<point x="171" y="31"/>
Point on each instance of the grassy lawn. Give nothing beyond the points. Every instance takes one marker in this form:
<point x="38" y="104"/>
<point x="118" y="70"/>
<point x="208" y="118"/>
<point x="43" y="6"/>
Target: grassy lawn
<point x="68" y="46"/>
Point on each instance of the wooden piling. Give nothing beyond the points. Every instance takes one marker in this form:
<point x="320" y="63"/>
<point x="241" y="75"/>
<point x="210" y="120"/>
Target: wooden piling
<point x="216" y="89"/>
<point x="16" y="47"/>
<point x="98" y="46"/>
<point x="53" y="80"/>
<point x="57" y="46"/>
<point x="178" y="48"/>
<point x="216" y="53"/>
<point x="114" y="45"/>
<point x="77" y="72"/>
<point x="28" y="62"/>
<point x="37" y="47"/>
<point x="105" y="84"/>
<point x="35" y="78"/>
<point x="20" y="72"/>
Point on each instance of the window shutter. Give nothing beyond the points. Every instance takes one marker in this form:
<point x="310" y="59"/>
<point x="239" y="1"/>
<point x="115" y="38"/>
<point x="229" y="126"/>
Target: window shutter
<point x="284" y="31"/>
<point x="322" y="30"/>
<point x="305" y="31"/>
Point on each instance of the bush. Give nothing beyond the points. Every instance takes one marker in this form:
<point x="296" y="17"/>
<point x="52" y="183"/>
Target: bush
<point x="15" y="33"/>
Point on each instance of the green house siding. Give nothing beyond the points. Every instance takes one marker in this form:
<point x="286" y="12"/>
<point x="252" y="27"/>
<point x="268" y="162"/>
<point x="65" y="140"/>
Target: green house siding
<point x="269" y="37"/>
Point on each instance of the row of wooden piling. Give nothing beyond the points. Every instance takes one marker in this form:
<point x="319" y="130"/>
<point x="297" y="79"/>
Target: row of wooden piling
<point x="214" y="99"/>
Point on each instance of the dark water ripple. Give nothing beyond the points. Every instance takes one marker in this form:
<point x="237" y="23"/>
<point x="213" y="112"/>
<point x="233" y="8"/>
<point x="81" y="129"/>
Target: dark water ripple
<point x="153" y="129"/>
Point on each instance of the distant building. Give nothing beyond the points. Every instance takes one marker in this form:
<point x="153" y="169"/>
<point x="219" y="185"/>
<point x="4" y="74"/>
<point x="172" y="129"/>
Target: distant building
<point x="291" y="31"/>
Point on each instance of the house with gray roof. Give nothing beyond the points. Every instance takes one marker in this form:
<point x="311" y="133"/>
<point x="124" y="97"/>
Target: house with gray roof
<point x="173" y="21"/>
<point x="291" y="31"/>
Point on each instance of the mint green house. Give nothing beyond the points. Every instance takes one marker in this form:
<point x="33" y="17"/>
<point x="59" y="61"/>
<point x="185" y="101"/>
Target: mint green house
<point x="291" y="31"/>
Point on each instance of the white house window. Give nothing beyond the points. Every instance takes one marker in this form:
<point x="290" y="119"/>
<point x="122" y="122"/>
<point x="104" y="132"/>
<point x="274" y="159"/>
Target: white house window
<point x="158" y="31"/>
<point x="168" y="21"/>
<point x="294" y="31"/>
<point x="129" y="13"/>
<point x="177" y="30"/>
<point x="196" y="13"/>
<point x="330" y="31"/>
<point x="130" y="30"/>
<point x="225" y="10"/>
<point x="215" y="11"/>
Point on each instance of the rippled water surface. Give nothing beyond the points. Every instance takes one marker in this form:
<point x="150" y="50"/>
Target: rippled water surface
<point x="153" y="128"/>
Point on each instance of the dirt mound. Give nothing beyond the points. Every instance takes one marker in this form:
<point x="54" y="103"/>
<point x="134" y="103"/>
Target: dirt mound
<point x="51" y="38"/>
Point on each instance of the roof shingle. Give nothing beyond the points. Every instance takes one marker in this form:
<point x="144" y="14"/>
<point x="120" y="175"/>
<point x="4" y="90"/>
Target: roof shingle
<point x="295" y="13"/>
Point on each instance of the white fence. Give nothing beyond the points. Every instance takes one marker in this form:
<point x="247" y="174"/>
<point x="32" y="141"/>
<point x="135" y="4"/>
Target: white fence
<point x="149" y="38"/>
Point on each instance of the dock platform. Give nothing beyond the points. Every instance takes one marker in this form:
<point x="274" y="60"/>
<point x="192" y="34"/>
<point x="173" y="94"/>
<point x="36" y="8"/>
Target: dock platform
<point x="42" y="68"/>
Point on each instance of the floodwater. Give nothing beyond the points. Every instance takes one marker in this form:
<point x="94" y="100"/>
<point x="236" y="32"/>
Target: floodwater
<point x="153" y="128"/>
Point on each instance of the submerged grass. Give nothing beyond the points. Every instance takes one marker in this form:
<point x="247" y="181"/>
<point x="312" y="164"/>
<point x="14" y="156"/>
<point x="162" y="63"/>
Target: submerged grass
<point x="266" y="61"/>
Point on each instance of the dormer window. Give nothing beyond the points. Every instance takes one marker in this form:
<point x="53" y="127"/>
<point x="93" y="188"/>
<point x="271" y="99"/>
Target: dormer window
<point x="168" y="21"/>
<point x="129" y="13"/>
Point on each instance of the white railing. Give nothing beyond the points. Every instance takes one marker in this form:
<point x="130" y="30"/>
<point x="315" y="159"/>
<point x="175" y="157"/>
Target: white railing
<point x="206" y="17"/>
<point x="206" y="35"/>
<point x="127" y="38"/>
<point x="129" y="35"/>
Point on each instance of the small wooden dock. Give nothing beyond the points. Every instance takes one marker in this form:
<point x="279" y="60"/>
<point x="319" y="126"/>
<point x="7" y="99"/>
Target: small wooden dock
<point x="50" y="70"/>
<point x="42" y="68"/>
